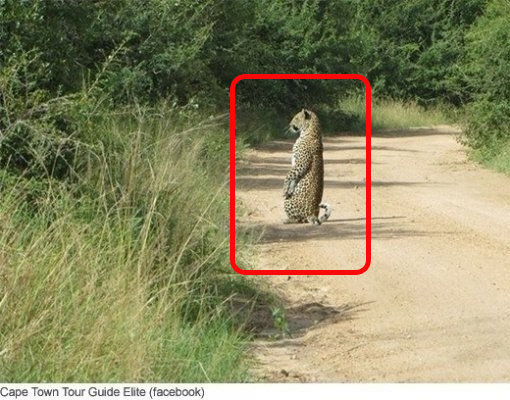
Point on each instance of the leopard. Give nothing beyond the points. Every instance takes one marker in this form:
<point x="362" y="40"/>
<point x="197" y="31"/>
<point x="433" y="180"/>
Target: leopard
<point x="304" y="184"/>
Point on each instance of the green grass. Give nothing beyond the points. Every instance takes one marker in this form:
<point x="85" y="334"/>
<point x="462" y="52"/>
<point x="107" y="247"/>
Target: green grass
<point x="395" y="114"/>
<point x="122" y="274"/>
<point x="496" y="157"/>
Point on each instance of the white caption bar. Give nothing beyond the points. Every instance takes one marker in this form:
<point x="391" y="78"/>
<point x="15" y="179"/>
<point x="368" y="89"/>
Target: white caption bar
<point x="261" y="391"/>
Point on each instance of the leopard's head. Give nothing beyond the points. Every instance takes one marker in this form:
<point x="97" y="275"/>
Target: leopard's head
<point x="302" y="121"/>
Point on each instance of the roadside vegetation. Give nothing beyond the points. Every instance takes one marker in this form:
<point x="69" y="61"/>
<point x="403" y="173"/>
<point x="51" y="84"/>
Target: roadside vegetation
<point x="485" y="65"/>
<point x="114" y="215"/>
<point x="118" y="271"/>
<point x="388" y="114"/>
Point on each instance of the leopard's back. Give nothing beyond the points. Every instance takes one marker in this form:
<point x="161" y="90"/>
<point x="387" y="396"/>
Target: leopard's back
<point x="304" y="203"/>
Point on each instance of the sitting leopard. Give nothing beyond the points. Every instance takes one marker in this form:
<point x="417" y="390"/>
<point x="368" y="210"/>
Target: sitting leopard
<point x="304" y="183"/>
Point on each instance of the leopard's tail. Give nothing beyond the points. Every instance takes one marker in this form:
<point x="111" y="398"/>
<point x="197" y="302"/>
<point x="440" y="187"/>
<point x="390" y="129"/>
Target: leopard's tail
<point x="327" y="212"/>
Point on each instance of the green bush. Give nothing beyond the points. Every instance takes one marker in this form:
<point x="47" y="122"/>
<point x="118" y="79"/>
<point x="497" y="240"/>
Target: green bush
<point x="41" y="133"/>
<point x="153" y="48"/>
<point x="487" y="66"/>
<point x="188" y="51"/>
<point x="412" y="49"/>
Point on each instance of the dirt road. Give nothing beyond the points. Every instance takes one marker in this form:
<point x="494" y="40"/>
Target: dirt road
<point x="435" y="303"/>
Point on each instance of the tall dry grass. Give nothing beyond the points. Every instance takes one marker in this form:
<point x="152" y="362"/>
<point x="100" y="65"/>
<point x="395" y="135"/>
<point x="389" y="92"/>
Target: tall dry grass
<point x="122" y="273"/>
<point x="395" y="114"/>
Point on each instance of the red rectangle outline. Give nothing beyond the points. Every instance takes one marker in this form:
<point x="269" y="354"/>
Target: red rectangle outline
<point x="368" y="177"/>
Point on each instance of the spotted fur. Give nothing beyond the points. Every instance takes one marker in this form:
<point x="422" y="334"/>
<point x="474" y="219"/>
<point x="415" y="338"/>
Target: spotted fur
<point x="304" y="184"/>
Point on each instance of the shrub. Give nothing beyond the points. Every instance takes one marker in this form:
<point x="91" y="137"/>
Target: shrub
<point x="487" y="66"/>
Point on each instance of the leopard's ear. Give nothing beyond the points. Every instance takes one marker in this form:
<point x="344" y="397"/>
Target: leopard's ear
<point x="307" y="114"/>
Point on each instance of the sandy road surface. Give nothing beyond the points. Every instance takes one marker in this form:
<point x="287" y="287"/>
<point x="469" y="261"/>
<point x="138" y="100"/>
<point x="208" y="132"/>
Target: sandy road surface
<point x="435" y="304"/>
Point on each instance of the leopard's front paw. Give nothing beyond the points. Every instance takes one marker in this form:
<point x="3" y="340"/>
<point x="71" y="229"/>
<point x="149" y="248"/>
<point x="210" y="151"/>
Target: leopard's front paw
<point x="288" y="190"/>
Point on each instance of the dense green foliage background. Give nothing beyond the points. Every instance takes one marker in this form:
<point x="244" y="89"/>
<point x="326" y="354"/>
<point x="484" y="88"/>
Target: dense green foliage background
<point x="108" y="106"/>
<point x="187" y="52"/>
<point x="486" y="66"/>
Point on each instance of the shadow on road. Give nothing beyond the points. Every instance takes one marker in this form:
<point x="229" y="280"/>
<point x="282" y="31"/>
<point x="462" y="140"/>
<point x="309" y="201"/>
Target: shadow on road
<point x="350" y="228"/>
<point x="413" y="132"/>
<point x="253" y="181"/>
<point x="299" y="319"/>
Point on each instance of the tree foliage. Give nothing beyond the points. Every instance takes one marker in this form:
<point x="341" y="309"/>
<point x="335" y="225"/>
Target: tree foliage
<point x="187" y="53"/>
<point x="486" y="68"/>
<point x="412" y="48"/>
